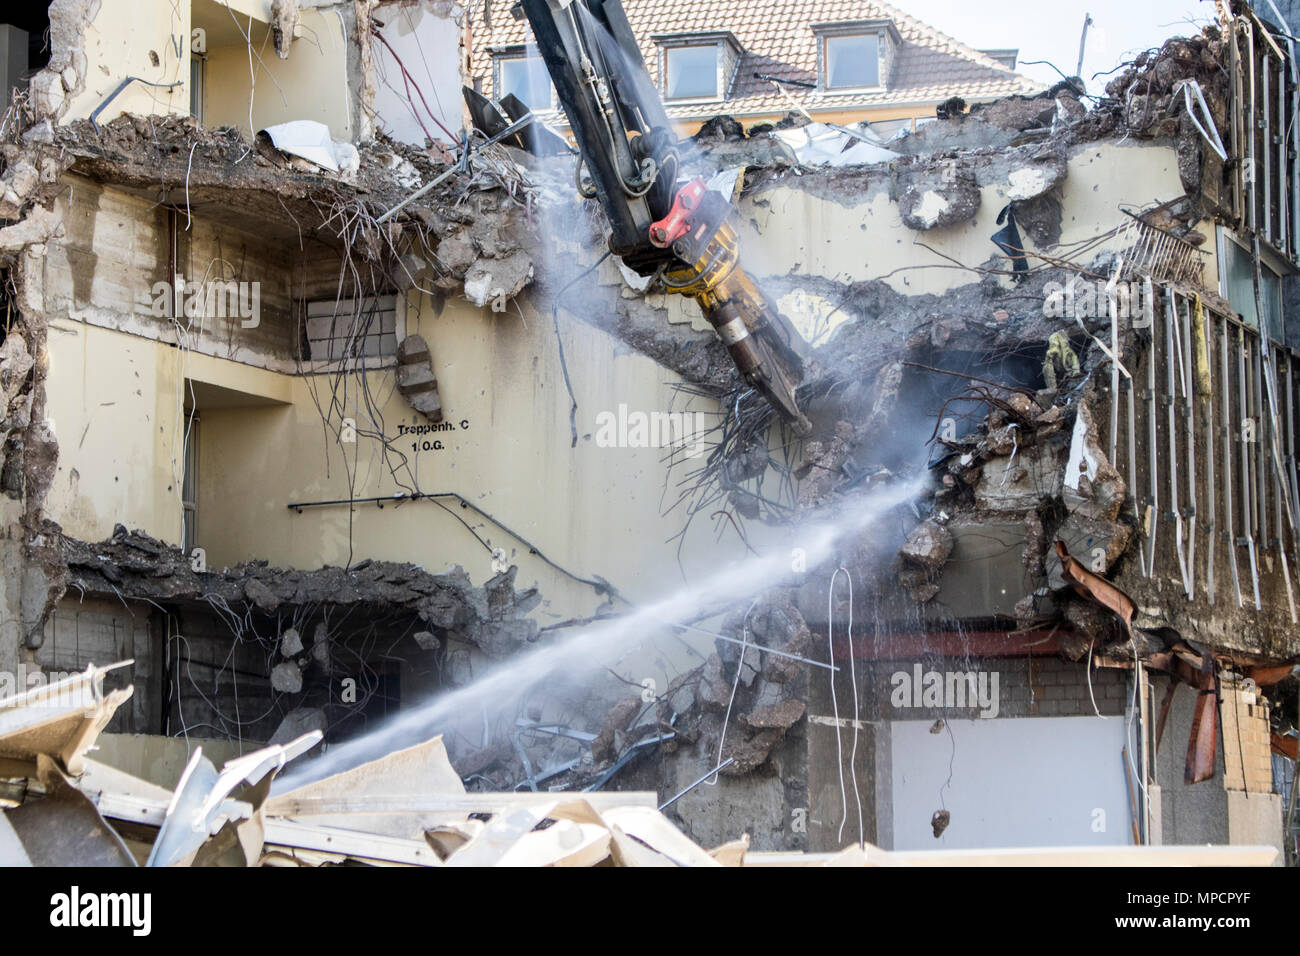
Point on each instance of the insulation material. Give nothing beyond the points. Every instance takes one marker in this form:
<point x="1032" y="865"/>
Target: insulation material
<point x="312" y="141"/>
<point x="819" y="145"/>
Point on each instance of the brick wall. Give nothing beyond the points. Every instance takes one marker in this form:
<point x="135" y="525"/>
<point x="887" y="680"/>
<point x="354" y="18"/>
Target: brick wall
<point x="1247" y="764"/>
<point x="1046" y="686"/>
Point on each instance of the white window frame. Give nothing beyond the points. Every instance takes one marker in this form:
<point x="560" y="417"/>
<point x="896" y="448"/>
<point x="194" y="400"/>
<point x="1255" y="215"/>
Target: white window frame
<point x="1269" y="271"/>
<point x="665" y="58"/>
<point x="519" y="53"/>
<point x="198" y="85"/>
<point x="727" y="57"/>
<point x="887" y="41"/>
<point x="190" y="484"/>
<point x="824" y="58"/>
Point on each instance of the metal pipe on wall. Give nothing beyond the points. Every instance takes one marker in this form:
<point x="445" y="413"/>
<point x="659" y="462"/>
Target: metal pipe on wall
<point x="1212" y="505"/>
<point x="1226" y="432"/>
<point x="1189" y="422"/>
<point x="1153" y="468"/>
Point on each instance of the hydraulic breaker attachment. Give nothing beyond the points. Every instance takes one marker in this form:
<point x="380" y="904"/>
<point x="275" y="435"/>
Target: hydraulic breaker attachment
<point x="761" y="341"/>
<point x="682" y="236"/>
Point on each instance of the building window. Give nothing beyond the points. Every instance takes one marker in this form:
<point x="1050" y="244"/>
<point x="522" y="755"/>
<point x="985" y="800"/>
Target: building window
<point x="190" y="484"/>
<point x="347" y="328"/>
<point x="691" y="72"/>
<point x="851" y="61"/>
<point x="198" y="68"/>
<point x="1237" y="285"/>
<point x="526" y="78"/>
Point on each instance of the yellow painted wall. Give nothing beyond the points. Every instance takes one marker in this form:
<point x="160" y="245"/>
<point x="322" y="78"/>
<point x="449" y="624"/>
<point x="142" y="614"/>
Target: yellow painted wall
<point x="841" y="117"/>
<point x="791" y="226"/>
<point x="113" y="399"/>
<point x="593" y="510"/>
<point x="116" y="398"/>
<point x="312" y="84"/>
<point x="124" y="39"/>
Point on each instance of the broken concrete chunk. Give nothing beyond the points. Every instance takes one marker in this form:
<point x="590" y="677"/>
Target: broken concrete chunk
<point x="1033" y="180"/>
<point x="928" y="546"/>
<point x="261" y="595"/>
<point x="497" y="281"/>
<point x="284" y="20"/>
<point x="1019" y="483"/>
<point x="299" y="721"/>
<point x="936" y="196"/>
<point x="714" y="690"/>
<point x="40" y="225"/>
<point x="415" y="378"/>
<point x="15" y="364"/>
<point x="456" y="254"/>
<point x="47" y="94"/>
<point x="1095" y="543"/>
<point x="427" y="641"/>
<point x="290" y="643"/>
<point x="1017" y="112"/>
<point x="286" y="677"/>
<point x="617" y="721"/>
<point x="501" y="639"/>
<point x="1092" y="486"/>
<point x="23" y="178"/>
<point x="783" y="715"/>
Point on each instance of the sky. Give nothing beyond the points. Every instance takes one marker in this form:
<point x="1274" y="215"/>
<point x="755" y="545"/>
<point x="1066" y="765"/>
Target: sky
<point x="1049" y="29"/>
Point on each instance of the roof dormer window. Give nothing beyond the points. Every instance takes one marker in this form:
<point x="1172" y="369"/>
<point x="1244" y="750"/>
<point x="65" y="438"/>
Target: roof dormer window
<point x="691" y="72"/>
<point x="524" y="75"/>
<point x="855" y="56"/>
<point x="697" y="67"/>
<point x="852" y="61"/>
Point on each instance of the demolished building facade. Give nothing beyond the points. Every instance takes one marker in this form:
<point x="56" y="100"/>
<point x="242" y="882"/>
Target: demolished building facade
<point x="373" y="447"/>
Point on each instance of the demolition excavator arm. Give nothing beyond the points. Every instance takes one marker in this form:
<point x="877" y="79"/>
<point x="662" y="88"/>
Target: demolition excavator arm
<point x="681" y="233"/>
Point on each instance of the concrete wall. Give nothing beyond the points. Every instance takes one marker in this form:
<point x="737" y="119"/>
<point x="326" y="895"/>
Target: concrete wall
<point x="314" y="83"/>
<point x="797" y="230"/>
<point x="428" y="46"/>
<point x="1195" y="813"/>
<point x="83" y="631"/>
<point x="901" y="770"/>
<point x="106" y="268"/>
<point x="1032" y="782"/>
<point x="148" y="39"/>
<point x="115" y="402"/>
<point x="592" y="510"/>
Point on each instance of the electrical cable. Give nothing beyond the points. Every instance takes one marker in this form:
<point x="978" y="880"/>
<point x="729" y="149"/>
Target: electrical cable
<point x="735" y="684"/>
<point x="564" y="365"/>
<point x="835" y="704"/>
<point x="857" y="723"/>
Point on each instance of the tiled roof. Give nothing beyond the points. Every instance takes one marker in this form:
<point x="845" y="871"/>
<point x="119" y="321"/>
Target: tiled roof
<point x="778" y="40"/>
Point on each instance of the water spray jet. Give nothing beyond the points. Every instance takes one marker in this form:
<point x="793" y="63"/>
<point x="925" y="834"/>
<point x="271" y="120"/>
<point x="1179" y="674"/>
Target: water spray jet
<point x="587" y="650"/>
